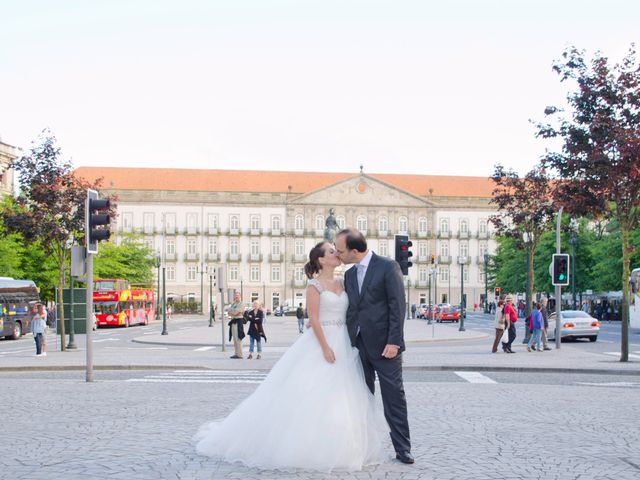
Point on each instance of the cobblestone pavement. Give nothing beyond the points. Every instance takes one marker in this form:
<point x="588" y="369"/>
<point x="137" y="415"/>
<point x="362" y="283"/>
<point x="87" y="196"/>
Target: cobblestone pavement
<point x="136" y="430"/>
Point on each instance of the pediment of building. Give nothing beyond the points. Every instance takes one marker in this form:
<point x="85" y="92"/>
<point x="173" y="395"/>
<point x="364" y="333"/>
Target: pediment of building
<point x="361" y="190"/>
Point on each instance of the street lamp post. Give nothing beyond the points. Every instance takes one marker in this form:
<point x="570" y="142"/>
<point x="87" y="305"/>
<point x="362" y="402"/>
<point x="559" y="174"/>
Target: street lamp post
<point x="72" y="331"/>
<point x="486" y="284"/>
<point x="528" y="244"/>
<point x="164" y="303"/>
<point x="462" y="261"/>
<point x="573" y="241"/>
<point x="210" y="300"/>
<point x="158" y="264"/>
<point x="203" y="270"/>
<point x="429" y="304"/>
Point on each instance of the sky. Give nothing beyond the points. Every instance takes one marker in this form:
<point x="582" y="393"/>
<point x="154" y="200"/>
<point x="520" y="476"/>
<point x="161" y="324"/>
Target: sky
<point x="397" y="86"/>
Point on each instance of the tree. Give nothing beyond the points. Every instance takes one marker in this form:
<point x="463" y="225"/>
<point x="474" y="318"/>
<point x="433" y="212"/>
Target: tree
<point x="599" y="162"/>
<point x="131" y="260"/>
<point x="524" y="212"/>
<point x="50" y="206"/>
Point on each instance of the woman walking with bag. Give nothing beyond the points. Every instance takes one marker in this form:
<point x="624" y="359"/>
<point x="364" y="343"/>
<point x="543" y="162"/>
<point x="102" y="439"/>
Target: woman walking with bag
<point x="510" y="317"/>
<point x="499" y="325"/>
<point x="255" y="317"/>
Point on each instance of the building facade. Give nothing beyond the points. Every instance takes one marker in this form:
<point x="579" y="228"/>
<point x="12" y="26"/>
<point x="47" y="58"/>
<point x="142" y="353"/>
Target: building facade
<point x="8" y="154"/>
<point x="260" y="227"/>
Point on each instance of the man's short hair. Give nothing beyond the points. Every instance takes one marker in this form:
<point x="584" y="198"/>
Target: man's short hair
<point x="354" y="239"/>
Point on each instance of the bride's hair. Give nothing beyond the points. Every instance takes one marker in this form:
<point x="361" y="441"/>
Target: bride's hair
<point x="313" y="265"/>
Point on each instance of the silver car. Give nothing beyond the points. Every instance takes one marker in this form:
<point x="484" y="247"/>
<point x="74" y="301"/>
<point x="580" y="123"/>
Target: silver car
<point x="574" y="324"/>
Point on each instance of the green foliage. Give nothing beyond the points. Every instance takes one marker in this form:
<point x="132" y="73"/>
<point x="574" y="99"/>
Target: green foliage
<point x="131" y="260"/>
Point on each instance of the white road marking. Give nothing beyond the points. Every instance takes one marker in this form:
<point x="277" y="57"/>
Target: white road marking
<point x="617" y="354"/>
<point x="9" y="352"/>
<point x="475" y="377"/>
<point x="209" y="376"/>
<point x="610" y="384"/>
<point x="107" y="340"/>
<point x="203" y="349"/>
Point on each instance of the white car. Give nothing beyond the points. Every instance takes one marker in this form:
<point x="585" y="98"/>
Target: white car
<point x="574" y="324"/>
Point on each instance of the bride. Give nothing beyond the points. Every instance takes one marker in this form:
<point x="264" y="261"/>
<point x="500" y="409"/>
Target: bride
<point x="313" y="410"/>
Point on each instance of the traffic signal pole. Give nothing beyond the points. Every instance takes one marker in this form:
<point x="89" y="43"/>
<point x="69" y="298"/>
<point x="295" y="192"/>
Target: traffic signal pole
<point x="89" y="319"/>
<point x="558" y="287"/>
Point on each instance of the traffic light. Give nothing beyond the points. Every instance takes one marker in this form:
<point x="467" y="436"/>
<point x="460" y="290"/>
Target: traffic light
<point x="433" y="259"/>
<point x="560" y="270"/>
<point x="96" y="221"/>
<point x="497" y="292"/>
<point x="403" y="253"/>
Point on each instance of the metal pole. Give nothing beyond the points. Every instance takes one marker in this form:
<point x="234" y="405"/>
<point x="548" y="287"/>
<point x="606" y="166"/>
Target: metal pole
<point x="158" y="295"/>
<point x="429" y="307"/>
<point x="573" y="269"/>
<point x="72" y="330"/>
<point x="558" y="288"/>
<point x="164" y="302"/>
<point x="221" y="288"/>
<point x="211" y="300"/>
<point x="89" y="317"/>
<point x="461" y="329"/>
<point x="527" y="300"/>
<point x="435" y="285"/>
<point x="486" y="284"/>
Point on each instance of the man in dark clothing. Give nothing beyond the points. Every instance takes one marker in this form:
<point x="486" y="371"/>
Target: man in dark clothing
<point x="545" y="316"/>
<point x="300" y="317"/>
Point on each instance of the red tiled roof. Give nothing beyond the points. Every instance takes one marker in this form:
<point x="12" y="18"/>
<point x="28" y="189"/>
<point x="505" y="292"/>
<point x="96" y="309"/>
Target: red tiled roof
<point x="119" y="178"/>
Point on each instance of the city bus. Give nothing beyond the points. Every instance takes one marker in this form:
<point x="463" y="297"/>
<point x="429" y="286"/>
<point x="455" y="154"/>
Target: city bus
<point x="17" y="302"/>
<point x="115" y="303"/>
<point x="634" y="300"/>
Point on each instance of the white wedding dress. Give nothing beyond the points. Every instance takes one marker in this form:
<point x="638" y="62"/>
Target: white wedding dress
<point x="307" y="413"/>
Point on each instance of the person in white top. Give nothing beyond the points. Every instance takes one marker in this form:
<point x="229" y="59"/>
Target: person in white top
<point x="38" y="326"/>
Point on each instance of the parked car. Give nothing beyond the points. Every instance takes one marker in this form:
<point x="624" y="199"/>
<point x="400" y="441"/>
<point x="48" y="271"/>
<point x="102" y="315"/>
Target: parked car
<point x="449" y="314"/>
<point x="574" y="324"/>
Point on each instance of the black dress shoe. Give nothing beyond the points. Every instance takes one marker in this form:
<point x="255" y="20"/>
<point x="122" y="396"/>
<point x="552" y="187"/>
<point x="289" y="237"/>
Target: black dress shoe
<point x="405" y="457"/>
<point x="234" y="356"/>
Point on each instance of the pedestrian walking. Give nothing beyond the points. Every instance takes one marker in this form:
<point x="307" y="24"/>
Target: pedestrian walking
<point x="511" y="317"/>
<point x="255" y="317"/>
<point x="413" y="310"/>
<point x="545" y="317"/>
<point x="38" y="326"/>
<point x="499" y="324"/>
<point x="169" y="312"/>
<point x="236" y="322"/>
<point x="536" y="325"/>
<point x="300" y="317"/>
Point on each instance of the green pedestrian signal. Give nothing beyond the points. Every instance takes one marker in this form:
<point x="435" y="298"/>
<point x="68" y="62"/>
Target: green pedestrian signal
<point x="560" y="270"/>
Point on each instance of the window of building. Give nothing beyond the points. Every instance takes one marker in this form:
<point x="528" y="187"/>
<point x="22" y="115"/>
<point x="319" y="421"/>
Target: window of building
<point x="171" y="273"/>
<point x="255" y="247"/>
<point x="465" y="273"/>
<point x="319" y="222"/>
<point x="255" y="222"/>
<point x="482" y="249"/>
<point x="422" y="224"/>
<point x="403" y="225"/>
<point x="233" y="247"/>
<point x="361" y="223"/>
<point x="192" y="272"/>
<point x="464" y="249"/>
<point x="423" y="249"/>
<point x="275" y="273"/>
<point x="192" y="223"/>
<point x="299" y="274"/>
<point x="212" y="222"/>
<point x="234" y="222"/>
<point x="464" y="226"/>
<point x="340" y="220"/>
<point x="482" y="226"/>
<point x="191" y="247"/>
<point x="444" y="225"/>
<point x="213" y="246"/>
<point x="383" y="224"/>
<point x="422" y="274"/>
<point x="127" y="221"/>
<point x="149" y="244"/>
<point x="444" y="249"/>
<point x="275" y="222"/>
<point x="148" y="221"/>
<point x="233" y="273"/>
<point x="444" y="273"/>
<point x="255" y="273"/>
<point x="299" y="222"/>
<point x="384" y="248"/>
<point x="275" y="247"/>
<point x="299" y="247"/>
<point x="170" y="223"/>
<point x="170" y="247"/>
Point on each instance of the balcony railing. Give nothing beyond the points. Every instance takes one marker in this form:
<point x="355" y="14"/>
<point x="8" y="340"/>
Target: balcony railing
<point x="443" y="234"/>
<point x="483" y="235"/>
<point x="191" y="231"/>
<point x="234" y="257"/>
<point x="275" y="258"/>
<point x="463" y="235"/>
<point x="480" y="259"/>
<point x="255" y="257"/>
<point x="422" y="234"/>
<point x="422" y="284"/>
<point x="191" y="257"/>
<point x="383" y="233"/>
<point x="254" y="232"/>
<point x="170" y="257"/>
<point x="423" y="259"/>
<point x="298" y="232"/>
<point x="300" y="257"/>
<point x="212" y="231"/>
<point x="234" y="231"/>
<point x="213" y="257"/>
<point x="300" y="283"/>
<point x="276" y="232"/>
<point x="444" y="259"/>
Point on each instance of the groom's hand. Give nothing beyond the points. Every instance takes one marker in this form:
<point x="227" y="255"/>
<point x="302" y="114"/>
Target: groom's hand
<point x="390" y="351"/>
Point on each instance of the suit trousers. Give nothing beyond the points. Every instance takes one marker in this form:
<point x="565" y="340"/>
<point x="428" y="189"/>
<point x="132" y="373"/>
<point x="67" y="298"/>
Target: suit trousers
<point x="237" y="343"/>
<point x="394" y="401"/>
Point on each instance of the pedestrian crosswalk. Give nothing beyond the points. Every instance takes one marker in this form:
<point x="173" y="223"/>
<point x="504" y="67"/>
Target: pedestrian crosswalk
<point x="635" y="354"/>
<point x="206" y="376"/>
<point x="475" y="377"/>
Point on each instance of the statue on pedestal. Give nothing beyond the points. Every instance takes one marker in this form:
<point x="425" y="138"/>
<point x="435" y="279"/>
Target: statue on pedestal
<point x="331" y="227"/>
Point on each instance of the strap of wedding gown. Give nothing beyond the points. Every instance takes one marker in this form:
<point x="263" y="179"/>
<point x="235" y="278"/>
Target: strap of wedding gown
<point x="316" y="283"/>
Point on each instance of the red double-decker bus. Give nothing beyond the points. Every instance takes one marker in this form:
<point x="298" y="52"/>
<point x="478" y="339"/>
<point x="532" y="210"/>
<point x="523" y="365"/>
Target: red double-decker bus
<point x="115" y="303"/>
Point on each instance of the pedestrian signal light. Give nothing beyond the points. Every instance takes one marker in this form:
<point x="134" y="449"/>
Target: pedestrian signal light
<point x="433" y="259"/>
<point x="497" y="291"/>
<point x="403" y="253"/>
<point x="560" y="271"/>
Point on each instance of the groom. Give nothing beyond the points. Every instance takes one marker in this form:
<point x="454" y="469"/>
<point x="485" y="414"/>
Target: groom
<point x="375" y="320"/>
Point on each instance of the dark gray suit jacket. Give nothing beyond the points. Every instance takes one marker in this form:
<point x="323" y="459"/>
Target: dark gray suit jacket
<point x="379" y="309"/>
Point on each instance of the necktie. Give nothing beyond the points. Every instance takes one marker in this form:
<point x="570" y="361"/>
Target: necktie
<point x="360" y="273"/>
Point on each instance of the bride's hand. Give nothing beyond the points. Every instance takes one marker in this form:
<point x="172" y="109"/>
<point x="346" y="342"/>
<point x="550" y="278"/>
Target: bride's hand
<point x="329" y="356"/>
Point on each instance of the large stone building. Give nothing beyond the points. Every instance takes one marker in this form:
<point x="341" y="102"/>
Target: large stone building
<point x="260" y="226"/>
<point x="8" y="154"/>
